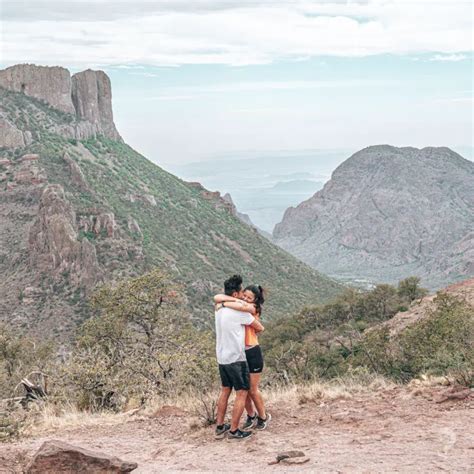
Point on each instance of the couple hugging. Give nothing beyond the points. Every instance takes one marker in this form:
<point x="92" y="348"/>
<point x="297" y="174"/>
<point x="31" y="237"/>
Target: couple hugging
<point x="240" y="358"/>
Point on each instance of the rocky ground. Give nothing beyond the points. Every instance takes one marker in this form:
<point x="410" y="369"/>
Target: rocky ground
<point x="397" y="429"/>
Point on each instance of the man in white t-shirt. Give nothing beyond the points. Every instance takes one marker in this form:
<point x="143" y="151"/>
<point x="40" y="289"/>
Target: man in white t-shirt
<point x="233" y="368"/>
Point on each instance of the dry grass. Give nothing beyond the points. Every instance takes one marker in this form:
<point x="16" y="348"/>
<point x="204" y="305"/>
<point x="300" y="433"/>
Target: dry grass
<point x="199" y="409"/>
<point x="323" y="391"/>
<point x="52" y="418"/>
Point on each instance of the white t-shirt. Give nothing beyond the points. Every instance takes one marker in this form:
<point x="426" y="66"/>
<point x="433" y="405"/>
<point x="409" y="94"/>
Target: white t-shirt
<point x="230" y="335"/>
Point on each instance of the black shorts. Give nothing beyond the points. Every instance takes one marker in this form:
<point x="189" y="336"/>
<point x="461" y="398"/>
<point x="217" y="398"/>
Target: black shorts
<point x="254" y="359"/>
<point x="235" y="375"/>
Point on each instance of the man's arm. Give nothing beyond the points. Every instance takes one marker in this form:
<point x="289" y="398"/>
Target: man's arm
<point x="220" y="298"/>
<point x="238" y="305"/>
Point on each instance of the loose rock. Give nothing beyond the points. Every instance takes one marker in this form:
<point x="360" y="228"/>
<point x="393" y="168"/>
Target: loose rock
<point x="56" y="456"/>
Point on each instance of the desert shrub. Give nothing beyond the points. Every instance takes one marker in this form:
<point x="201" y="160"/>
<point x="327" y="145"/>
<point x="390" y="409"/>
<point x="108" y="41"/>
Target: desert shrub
<point x="320" y="340"/>
<point x="140" y="345"/>
<point x="442" y="343"/>
<point x="410" y="290"/>
<point x="21" y="355"/>
<point x="327" y="341"/>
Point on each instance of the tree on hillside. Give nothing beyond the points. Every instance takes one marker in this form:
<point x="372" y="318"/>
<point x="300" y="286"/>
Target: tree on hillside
<point x="410" y="290"/>
<point x="140" y="345"/>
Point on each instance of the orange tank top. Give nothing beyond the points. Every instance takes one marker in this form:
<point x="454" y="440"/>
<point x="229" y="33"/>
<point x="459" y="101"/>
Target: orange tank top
<point x="251" y="338"/>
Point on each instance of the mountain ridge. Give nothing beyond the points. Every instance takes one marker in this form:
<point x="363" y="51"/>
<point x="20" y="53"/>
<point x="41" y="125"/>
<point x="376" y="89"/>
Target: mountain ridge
<point x="382" y="215"/>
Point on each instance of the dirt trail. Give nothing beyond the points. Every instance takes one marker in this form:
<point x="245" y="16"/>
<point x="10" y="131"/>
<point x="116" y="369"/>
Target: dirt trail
<point x="392" y="430"/>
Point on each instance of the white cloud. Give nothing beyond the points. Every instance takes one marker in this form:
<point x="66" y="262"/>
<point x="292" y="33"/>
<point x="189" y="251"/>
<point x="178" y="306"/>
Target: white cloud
<point x="190" y="93"/>
<point x="212" y="32"/>
<point x="449" y="57"/>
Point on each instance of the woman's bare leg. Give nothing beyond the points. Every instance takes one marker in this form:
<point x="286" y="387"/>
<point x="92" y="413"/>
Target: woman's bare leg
<point x="256" y="396"/>
<point x="249" y="407"/>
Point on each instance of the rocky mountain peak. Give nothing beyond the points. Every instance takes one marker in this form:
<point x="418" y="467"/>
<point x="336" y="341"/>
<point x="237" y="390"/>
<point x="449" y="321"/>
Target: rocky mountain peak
<point x="86" y="95"/>
<point x="92" y="99"/>
<point x="388" y="213"/>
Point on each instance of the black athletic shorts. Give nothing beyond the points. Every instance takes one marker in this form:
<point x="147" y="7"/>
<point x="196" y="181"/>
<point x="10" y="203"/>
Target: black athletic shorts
<point x="255" y="359"/>
<point x="235" y="375"/>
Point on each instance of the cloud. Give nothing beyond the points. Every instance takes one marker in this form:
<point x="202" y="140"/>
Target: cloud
<point x="449" y="57"/>
<point x="179" y="32"/>
<point x="190" y="93"/>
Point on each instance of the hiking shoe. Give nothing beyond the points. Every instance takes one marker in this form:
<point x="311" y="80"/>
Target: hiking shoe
<point x="239" y="434"/>
<point x="263" y="423"/>
<point x="222" y="430"/>
<point x="250" y="422"/>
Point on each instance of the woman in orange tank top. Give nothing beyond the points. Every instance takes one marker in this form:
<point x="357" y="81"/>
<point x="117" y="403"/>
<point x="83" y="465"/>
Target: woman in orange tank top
<point x="252" y="300"/>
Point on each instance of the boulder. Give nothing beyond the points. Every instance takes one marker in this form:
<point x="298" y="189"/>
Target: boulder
<point x="290" y="457"/>
<point x="10" y="136"/>
<point x="58" y="457"/>
<point x="76" y="174"/>
<point x="150" y="199"/>
<point x="133" y="226"/>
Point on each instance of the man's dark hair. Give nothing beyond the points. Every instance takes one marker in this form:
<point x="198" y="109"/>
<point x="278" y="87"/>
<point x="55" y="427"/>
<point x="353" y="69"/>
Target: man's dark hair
<point x="233" y="284"/>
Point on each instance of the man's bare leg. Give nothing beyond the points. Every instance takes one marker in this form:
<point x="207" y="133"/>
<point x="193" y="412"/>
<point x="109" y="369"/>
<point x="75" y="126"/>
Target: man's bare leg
<point x="222" y="404"/>
<point x="256" y="395"/>
<point x="239" y="405"/>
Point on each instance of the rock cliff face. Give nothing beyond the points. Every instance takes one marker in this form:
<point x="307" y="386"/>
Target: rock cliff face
<point x="86" y="96"/>
<point x="49" y="84"/>
<point x="54" y="245"/>
<point x="92" y="98"/>
<point x="388" y="213"/>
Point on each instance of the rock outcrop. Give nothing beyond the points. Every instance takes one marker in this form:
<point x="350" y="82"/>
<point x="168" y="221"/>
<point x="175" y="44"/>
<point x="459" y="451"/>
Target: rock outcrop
<point x="10" y="136"/>
<point x="86" y="95"/>
<point x="76" y="174"/>
<point x="49" y="84"/>
<point x="388" y="213"/>
<point x="56" y="456"/>
<point x="54" y="245"/>
<point x="92" y="98"/>
<point x="245" y="218"/>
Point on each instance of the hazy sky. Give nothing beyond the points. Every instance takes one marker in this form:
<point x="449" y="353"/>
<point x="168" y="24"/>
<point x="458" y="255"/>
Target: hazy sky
<point x="196" y="79"/>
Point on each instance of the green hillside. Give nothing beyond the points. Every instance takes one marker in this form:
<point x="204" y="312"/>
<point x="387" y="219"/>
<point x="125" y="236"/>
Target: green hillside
<point x="161" y="221"/>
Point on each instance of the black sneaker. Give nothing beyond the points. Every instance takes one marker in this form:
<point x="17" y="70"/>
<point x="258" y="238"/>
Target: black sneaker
<point x="222" y="430"/>
<point x="239" y="434"/>
<point x="250" y="422"/>
<point x="263" y="423"/>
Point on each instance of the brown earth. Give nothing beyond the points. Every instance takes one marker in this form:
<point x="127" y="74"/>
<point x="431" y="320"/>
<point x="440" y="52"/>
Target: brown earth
<point x="397" y="429"/>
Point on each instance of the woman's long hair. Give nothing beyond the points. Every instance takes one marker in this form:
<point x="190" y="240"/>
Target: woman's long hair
<point x="259" y="294"/>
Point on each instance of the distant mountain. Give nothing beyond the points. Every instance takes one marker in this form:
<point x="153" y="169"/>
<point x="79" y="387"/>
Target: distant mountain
<point x="258" y="181"/>
<point x="297" y="186"/>
<point x="388" y="213"/>
<point x="78" y="207"/>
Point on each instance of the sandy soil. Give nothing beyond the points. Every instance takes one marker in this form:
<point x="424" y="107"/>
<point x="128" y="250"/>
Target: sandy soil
<point x="393" y="430"/>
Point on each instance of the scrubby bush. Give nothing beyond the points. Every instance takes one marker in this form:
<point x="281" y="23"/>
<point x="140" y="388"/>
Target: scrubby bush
<point x="329" y="340"/>
<point x="20" y="356"/>
<point x="140" y="345"/>
<point x="440" y="343"/>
